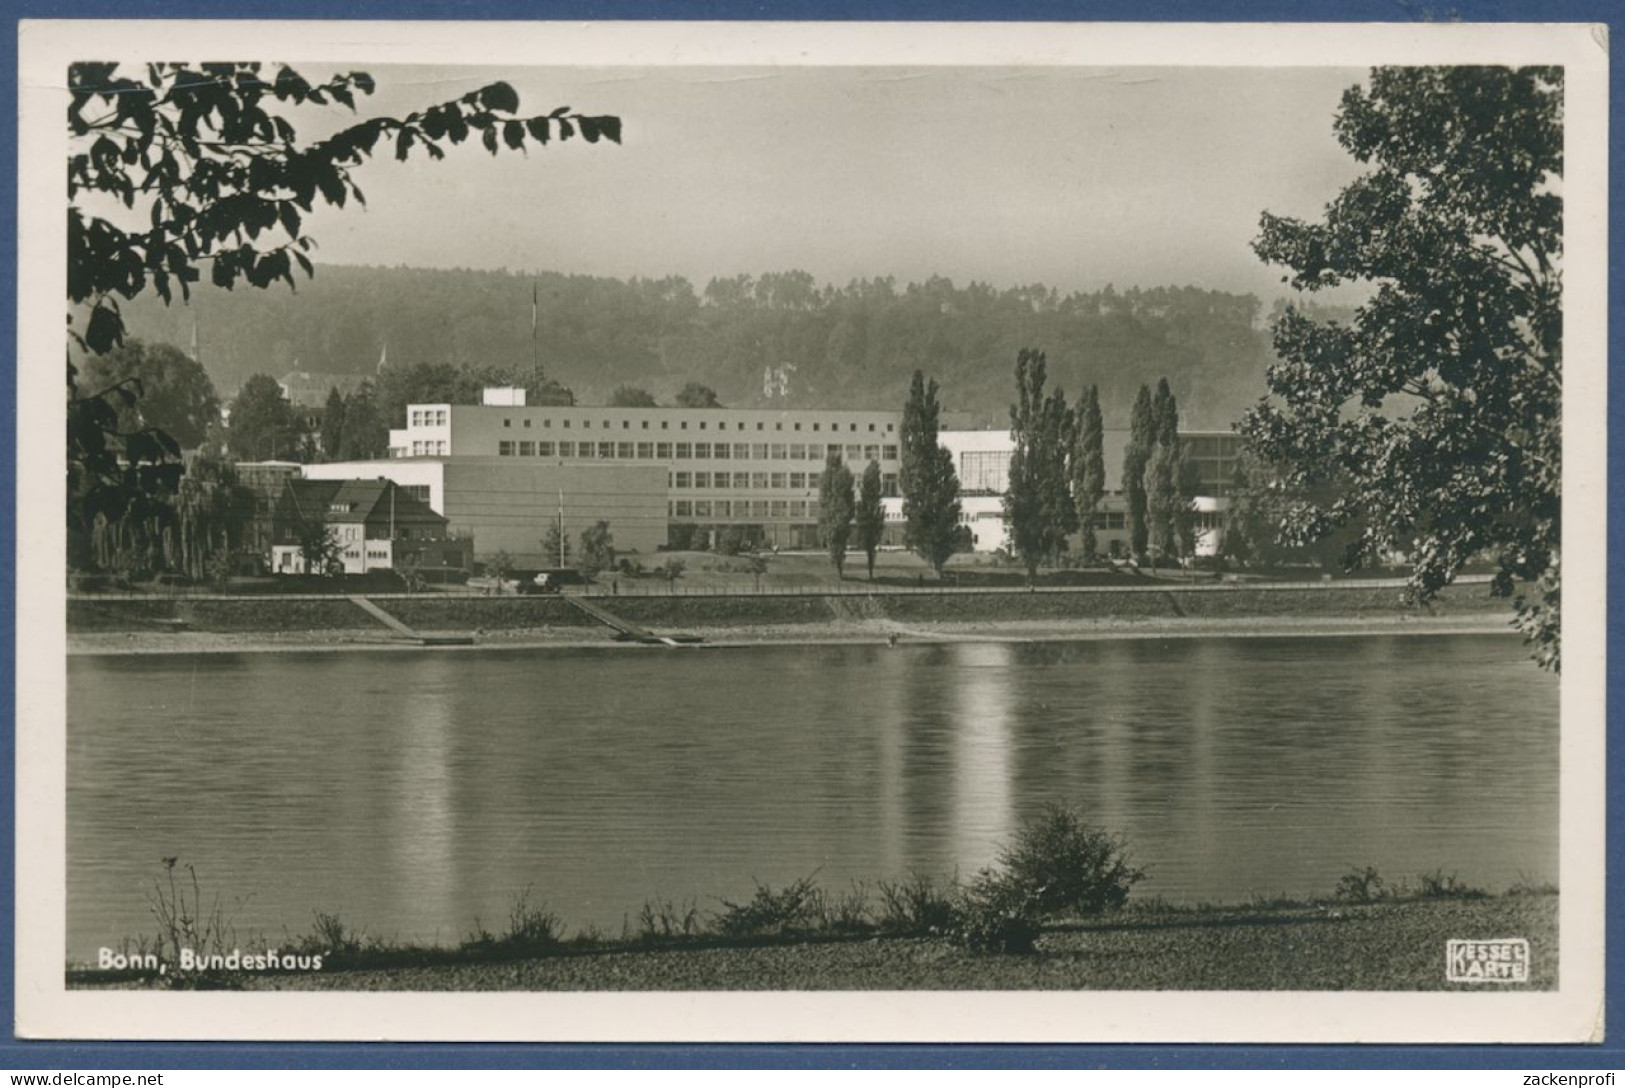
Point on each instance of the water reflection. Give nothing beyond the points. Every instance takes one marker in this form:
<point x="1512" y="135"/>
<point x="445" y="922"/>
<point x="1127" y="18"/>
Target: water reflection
<point x="414" y="792"/>
<point x="982" y="815"/>
<point x="423" y="830"/>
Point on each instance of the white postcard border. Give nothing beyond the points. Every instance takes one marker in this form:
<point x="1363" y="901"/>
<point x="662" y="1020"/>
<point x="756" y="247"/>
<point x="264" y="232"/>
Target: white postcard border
<point x="45" y="1009"/>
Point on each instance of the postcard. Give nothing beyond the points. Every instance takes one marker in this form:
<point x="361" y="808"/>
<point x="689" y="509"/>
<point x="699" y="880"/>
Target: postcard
<point x="804" y="532"/>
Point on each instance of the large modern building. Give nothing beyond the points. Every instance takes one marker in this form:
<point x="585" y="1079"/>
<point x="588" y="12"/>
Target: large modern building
<point x="507" y="472"/>
<point x="640" y="469"/>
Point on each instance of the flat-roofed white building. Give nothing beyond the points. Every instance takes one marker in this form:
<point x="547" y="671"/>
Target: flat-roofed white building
<point x="757" y="469"/>
<point x="679" y="476"/>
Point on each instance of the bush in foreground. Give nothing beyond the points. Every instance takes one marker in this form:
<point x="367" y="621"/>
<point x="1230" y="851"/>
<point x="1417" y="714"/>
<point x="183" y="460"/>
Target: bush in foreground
<point x="1057" y="865"/>
<point x="770" y="913"/>
<point x="1069" y="867"/>
<point x="918" y="906"/>
<point x="996" y="913"/>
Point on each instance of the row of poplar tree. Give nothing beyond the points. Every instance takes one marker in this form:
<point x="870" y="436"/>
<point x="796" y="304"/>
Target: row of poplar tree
<point x="927" y="479"/>
<point x="1058" y="473"/>
<point x="1057" y="479"/>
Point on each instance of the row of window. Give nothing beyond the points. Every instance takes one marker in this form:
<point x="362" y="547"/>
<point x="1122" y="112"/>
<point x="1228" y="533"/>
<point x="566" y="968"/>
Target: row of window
<point x="429" y="449"/>
<point x="428" y="417"/>
<point x="687" y="451"/>
<point x="777" y="481"/>
<point x="665" y="424"/>
<point x="742" y="508"/>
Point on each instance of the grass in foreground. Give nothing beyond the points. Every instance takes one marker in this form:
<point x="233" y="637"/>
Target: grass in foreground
<point x="1053" y="914"/>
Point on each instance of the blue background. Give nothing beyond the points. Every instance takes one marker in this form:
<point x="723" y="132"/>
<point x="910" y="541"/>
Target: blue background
<point x="33" y="1056"/>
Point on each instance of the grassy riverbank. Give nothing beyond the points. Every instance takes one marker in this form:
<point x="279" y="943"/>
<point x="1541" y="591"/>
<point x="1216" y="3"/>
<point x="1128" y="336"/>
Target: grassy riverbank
<point x="137" y="624"/>
<point x="1390" y="945"/>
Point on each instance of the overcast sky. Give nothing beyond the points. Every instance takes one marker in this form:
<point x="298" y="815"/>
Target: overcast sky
<point x="1071" y="177"/>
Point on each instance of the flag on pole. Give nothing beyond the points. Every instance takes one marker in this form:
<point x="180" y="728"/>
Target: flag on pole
<point x="383" y="357"/>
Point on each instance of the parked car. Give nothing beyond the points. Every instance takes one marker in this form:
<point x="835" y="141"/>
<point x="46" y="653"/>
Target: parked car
<point x="551" y="581"/>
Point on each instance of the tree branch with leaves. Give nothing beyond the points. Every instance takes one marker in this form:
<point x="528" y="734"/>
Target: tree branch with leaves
<point x="178" y="168"/>
<point x="1438" y="410"/>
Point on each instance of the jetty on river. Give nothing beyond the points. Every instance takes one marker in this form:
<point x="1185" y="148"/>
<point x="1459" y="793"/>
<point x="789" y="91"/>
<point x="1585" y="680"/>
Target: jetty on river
<point x="403" y="630"/>
<point x="628" y="632"/>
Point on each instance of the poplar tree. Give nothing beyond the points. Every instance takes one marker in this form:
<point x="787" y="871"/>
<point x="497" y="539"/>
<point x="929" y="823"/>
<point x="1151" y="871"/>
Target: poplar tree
<point x="871" y="515"/>
<point x="332" y="425"/>
<point x="1161" y="474"/>
<point x="835" y="510"/>
<point x="1038" y="501"/>
<point x="1169" y="489"/>
<point x="929" y="484"/>
<point x="1088" y="469"/>
<point x="1136" y="456"/>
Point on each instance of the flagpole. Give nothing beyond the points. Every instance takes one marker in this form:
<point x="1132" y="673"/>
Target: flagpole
<point x="535" y="342"/>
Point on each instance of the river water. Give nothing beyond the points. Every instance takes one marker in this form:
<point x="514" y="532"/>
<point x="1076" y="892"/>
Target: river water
<point x="413" y="792"/>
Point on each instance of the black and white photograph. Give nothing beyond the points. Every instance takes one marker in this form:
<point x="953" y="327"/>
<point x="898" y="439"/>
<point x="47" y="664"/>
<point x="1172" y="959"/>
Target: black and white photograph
<point x="776" y="532"/>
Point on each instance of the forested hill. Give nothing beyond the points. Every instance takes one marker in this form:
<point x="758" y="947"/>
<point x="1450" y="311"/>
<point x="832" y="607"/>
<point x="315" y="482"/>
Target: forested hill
<point x="838" y="347"/>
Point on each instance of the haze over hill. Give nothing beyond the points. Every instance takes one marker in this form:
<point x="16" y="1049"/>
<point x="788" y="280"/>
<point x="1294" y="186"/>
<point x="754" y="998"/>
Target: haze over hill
<point x="777" y="338"/>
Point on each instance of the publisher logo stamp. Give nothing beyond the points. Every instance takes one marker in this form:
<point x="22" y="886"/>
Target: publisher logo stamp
<point x="1504" y="959"/>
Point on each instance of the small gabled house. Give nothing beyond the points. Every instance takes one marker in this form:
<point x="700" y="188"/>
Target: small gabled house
<point x="370" y="525"/>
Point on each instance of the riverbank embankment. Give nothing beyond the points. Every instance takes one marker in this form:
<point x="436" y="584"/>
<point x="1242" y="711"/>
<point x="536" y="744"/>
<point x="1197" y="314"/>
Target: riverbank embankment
<point x="137" y="624"/>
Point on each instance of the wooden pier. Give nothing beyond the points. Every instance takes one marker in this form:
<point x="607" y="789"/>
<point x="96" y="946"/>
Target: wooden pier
<point x="625" y="631"/>
<point x="403" y="630"/>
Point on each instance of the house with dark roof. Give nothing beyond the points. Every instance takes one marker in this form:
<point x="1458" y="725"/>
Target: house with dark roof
<point x="370" y="524"/>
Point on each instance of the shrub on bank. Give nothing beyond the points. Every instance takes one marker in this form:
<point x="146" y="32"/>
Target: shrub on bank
<point x="1069" y="867"/>
<point x="996" y="912"/>
<point x="532" y="930"/>
<point x="1360" y="886"/>
<point x="1056" y="865"/>
<point x="769" y="913"/>
<point x="917" y="906"/>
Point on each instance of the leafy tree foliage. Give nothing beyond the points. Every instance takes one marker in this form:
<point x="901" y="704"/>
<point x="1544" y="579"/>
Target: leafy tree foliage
<point x="835" y="510"/>
<point x="319" y="546"/>
<point x="181" y="168"/>
<point x="195" y="529"/>
<point x="333" y="425"/>
<point x="1088" y="464"/>
<point x="263" y="423"/>
<point x="1136" y="457"/>
<point x="929" y="484"/>
<point x="597" y="549"/>
<point x="855" y="345"/>
<point x="556" y="546"/>
<point x="630" y="396"/>
<point x="695" y="395"/>
<point x="1258" y="515"/>
<point x="366" y="431"/>
<point x="1438" y="408"/>
<point x="174" y="392"/>
<point x="1038" y="501"/>
<point x="498" y="567"/>
<point x="207" y="160"/>
<point x="871" y="515"/>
